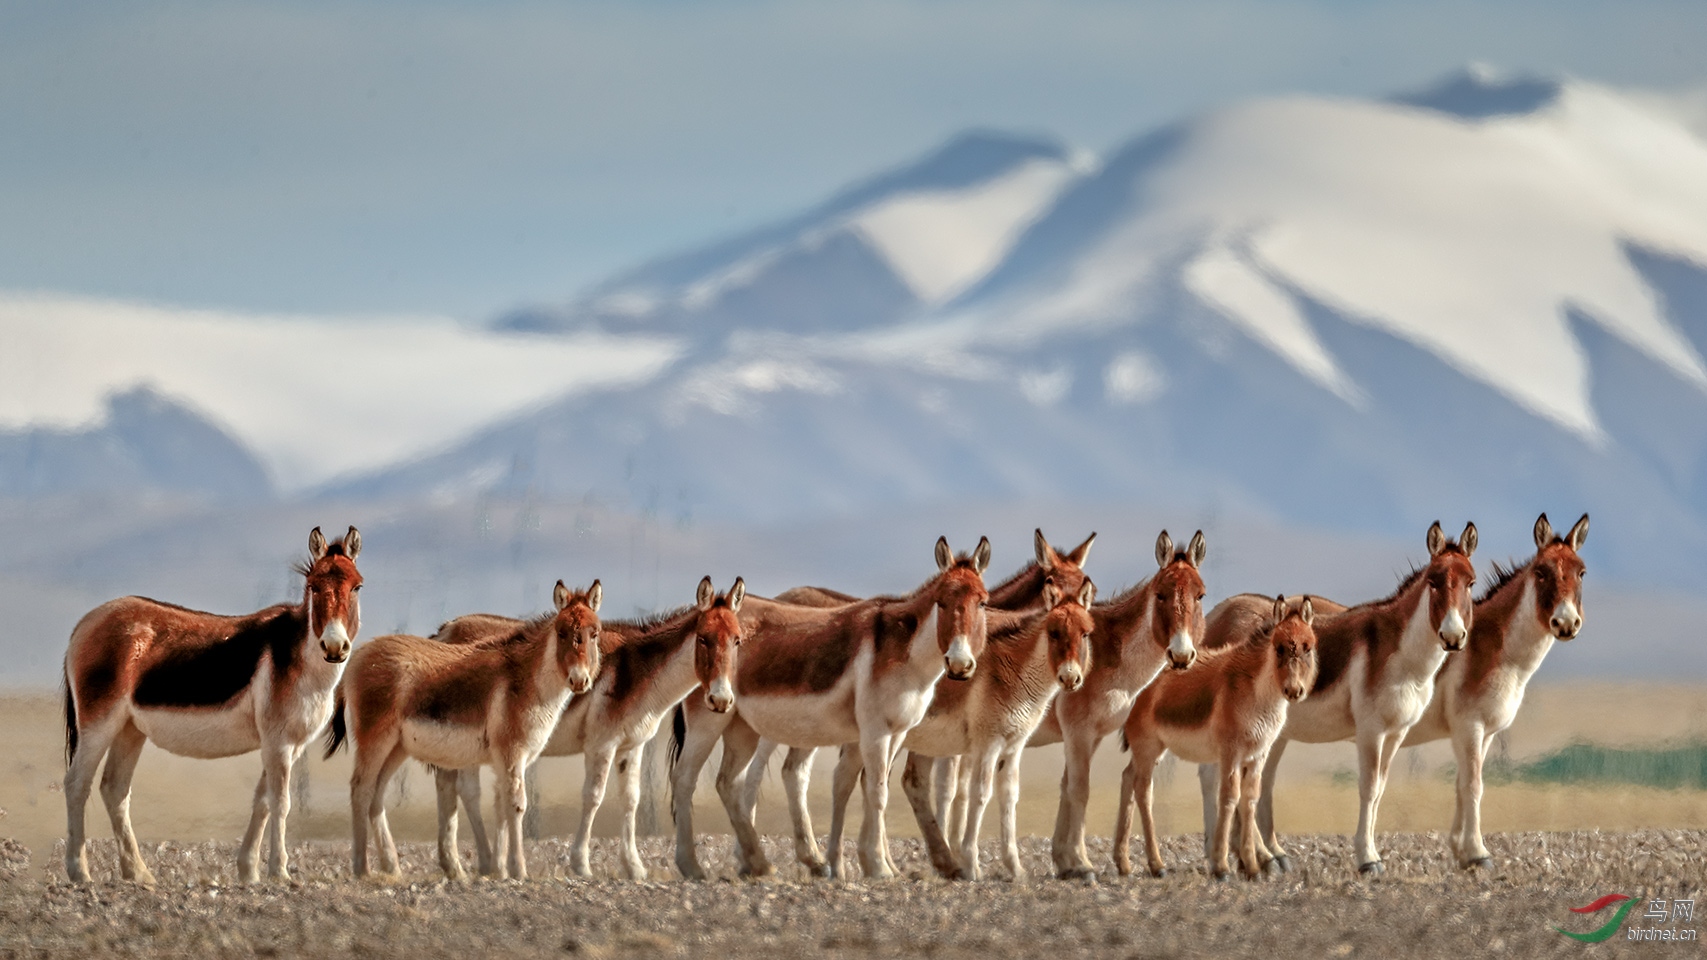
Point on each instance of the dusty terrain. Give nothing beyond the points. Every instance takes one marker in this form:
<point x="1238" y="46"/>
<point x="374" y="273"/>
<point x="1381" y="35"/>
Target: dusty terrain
<point x="1423" y="907"/>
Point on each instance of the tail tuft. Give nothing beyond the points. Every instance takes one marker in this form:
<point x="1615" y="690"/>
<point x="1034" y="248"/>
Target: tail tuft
<point x="70" y="723"/>
<point x="336" y="733"/>
<point x="1125" y="747"/>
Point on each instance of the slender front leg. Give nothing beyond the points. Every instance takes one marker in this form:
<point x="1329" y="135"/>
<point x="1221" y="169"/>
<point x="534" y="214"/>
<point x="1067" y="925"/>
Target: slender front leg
<point x="1072" y="861"/>
<point x="875" y="751"/>
<point x="468" y="788"/>
<point x="918" y="795"/>
<point x="1226" y="808"/>
<point x="1143" y="769"/>
<point x="593" y="783"/>
<point x="754" y="778"/>
<point x="983" y="784"/>
<point x="381" y="828"/>
<point x="703" y="731"/>
<point x="628" y="770"/>
<point x="248" y="852"/>
<point x="1208" y="787"/>
<point x="1266" y="835"/>
<point x="1370" y="746"/>
<point x="1469" y="745"/>
<point x="1249" y="787"/>
<point x="796" y="773"/>
<point x="278" y="764"/>
<point x="842" y="783"/>
<point x="739" y="743"/>
<point x="444" y="788"/>
<point x="945" y="774"/>
<point x="115" y="793"/>
<point x="1007" y="786"/>
<point x="513" y="795"/>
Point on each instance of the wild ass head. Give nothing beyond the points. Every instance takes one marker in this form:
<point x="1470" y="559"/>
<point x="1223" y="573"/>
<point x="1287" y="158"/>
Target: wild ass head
<point x="1558" y="573"/>
<point x="1069" y="627"/>
<point x="717" y="634"/>
<point x="1449" y="576"/>
<point x="1176" y="623"/>
<point x="1294" y="640"/>
<point x="1066" y="569"/>
<point x="576" y="626"/>
<point x="961" y="599"/>
<point x="329" y="593"/>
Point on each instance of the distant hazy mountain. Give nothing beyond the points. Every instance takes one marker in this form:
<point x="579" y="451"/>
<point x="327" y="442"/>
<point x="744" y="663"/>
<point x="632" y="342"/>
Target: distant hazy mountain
<point x="146" y="443"/>
<point x="1480" y="300"/>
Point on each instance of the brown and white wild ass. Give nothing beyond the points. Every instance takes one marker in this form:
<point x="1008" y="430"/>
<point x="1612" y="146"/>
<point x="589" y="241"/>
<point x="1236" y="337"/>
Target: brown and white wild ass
<point x="203" y="685"/>
<point x="1227" y="709"/>
<point x="1065" y="569"/>
<point x="987" y="721"/>
<point x="814" y="676"/>
<point x="1478" y="692"/>
<point x="1158" y="622"/>
<point x="451" y="706"/>
<point x="1376" y="669"/>
<point x="648" y="667"/>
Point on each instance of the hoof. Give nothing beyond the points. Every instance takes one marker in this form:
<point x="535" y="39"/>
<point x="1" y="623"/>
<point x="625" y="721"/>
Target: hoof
<point x="1158" y="872"/>
<point x="820" y="870"/>
<point x="1222" y="876"/>
<point x="761" y="872"/>
<point x="1480" y="863"/>
<point x="1284" y="863"/>
<point x="1273" y="868"/>
<point x="1373" y="868"/>
<point x="1081" y="874"/>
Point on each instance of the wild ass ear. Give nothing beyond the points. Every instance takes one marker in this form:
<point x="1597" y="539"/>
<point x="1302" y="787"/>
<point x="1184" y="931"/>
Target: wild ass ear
<point x="1543" y="532"/>
<point x="352" y="543"/>
<point x="1045" y="554"/>
<point x="1051" y="593"/>
<point x="944" y="556"/>
<point x="1579" y="533"/>
<point x="705" y="594"/>
<point x="1087" y="593"/>
<point x="1083" y="550"/>
<point x="595" y="596"/>
<point x="1467" y="539"/>
<point x="316" y="545"/>
<point x="1307" y="610"/>
<point x="981" y="555"/>
<point x="560" y="595"/>
<point x="1436" y="539"/>
<point x="1197" y="549"/>
<point x="1164" y="549"/>
<point x="737" y="593"/>
<point x="1279" y="607"/>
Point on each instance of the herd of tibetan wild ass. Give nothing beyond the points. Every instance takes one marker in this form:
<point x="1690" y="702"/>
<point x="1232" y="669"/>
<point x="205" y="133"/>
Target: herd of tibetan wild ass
<point x="962" y="676"/>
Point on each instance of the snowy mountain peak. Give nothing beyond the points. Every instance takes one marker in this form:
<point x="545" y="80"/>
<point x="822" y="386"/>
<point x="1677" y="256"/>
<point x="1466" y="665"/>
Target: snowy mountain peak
<point x="1480" y="91"/>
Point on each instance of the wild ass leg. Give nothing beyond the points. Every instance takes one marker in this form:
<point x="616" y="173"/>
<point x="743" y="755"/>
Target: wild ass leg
<point x="739" y="743"/>
<point x="248" y="851"/>
<point x="1207" y="778"/>
<point x="365" y="794"/>
<point x="276" y="759"/>
<point x="796" y="773"/>
<point x="383" y="843"/>
<point x="1370" y="748"/>
<point x="1138" y="787"/>
<point x="1226" y="809"/>
<point x="918" y="795"/>
<point x="1468" y="748"/>
<point x="628" y="770"/>
<point x="593" y="783"/>
<point x="1007" y="788"/>
<point x="468" y="787"/>
<point x="92" y="745"/>
<point x="842" y="784"/>
<point x="1072" y="862"/>
<point x="983" y="784"/>
<point x="115" y="793"/>
<point x="875" y="752"/>
<point x="1266" y="835"/>
<point x="945" y="773"/>
<point x="450" y="858"/>
<point x="512" y="807"/>
<point x="1251" y="863"/>
<point x="701" y="737"/>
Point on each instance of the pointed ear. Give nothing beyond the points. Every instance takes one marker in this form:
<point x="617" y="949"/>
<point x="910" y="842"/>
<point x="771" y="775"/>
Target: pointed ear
<point x="1279" y="607"/>
<point x="1197" y="549"/>
<point x="1164" y="549"/>
<point x="1543" y="532"/>
<point x="1579" y="533"/>
<point x="1307" y="610"/>
<point x="1436" y="539"/>
<point x="705" y="594"/>
<point x="560" y="595"/>
<point x="1082" y="552"/>
<point x="1051" y="593"/>
<point x="316" y="545"/>
<point x="737" y="593"/>
<point x="595" y="596"/>
<point x="944" y="556"/>
<point x="353" y="543"/>
<point x="1087" y="593"/>
<point x="981" y="556"/>
<point x="1467" y="539"/>
<point x="1045" y="553"/>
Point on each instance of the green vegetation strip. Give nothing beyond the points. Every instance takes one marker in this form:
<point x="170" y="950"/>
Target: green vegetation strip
<point x="1670" y="768"/>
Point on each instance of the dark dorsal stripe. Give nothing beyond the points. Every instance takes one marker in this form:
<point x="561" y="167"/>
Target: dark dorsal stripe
<point x="214" y="671"/>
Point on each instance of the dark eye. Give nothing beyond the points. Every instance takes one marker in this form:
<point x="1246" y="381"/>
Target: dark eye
<point x="356" y="589"/>
<point x="1580" y="574"/>
<point x="982" y="605"/>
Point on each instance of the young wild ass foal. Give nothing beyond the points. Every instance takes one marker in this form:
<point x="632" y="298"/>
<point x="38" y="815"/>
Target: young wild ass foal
<point x="811" y="676"/>
<point x="203" y="685"/>
<point x="1065" y="570"/>
<point x="1478" y="692"/>
<point x="988" y="720"/>
<point x="1157" y="623"/>
<point x="1377" y="665"/>
<point x="454" y="706"/>
<point x="649" y="667"/>
<point x="1227" y="709"/>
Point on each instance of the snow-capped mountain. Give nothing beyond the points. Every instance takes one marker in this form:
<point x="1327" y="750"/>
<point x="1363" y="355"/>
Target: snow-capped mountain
<point x="1478" y="301"/>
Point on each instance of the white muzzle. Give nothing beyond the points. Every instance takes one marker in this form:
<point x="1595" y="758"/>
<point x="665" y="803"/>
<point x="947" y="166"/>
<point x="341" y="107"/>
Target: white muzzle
<point x="721" y="696"/>
<point x="961" y="663"/>
<point x="1181" y="651"/>
<point x="1452" y="630"/>
<point x="335" y="642"/>
<point x="1567" y="620"/>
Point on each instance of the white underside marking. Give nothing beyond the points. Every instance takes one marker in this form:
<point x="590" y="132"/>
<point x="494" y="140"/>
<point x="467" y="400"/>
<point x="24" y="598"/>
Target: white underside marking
<point x="203" y="733"/>
<point x="448" y="745"/>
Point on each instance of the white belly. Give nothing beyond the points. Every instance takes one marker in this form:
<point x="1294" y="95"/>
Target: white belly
<point x="822" y="720"/>
<point x="1195" y="745"/>
<point x="448" y="745"/>
<point x="203" y="733"/>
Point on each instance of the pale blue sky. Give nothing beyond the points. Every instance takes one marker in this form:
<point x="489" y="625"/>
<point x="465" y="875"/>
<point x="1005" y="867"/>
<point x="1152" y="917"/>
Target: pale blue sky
<point x="464" y="157"/>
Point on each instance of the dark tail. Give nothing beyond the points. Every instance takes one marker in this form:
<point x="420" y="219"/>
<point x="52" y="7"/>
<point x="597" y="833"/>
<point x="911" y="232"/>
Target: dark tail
<point x="70" y="721"/>
<point x="678" y="735"/>
<point x="1124" y="746"/>
<point x="335" y="734"/>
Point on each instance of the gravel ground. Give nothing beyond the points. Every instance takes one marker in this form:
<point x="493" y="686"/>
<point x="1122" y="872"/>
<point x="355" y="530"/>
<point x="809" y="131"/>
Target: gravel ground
<point x="1422" y="907"/>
